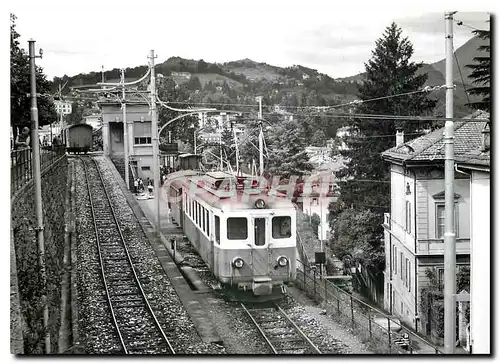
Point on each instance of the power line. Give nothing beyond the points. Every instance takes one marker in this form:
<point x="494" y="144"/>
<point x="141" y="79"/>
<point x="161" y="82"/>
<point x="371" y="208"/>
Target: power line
<point x="395" y="117"/>
<point x="461" y="76"/>
<point x="459" y="22"/>
<point x="356" y="102"/>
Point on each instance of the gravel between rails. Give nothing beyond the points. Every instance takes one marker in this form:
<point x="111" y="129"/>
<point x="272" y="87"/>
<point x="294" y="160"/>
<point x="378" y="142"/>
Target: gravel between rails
<point x="95" y="321"/>
<point x="233" y="325"/>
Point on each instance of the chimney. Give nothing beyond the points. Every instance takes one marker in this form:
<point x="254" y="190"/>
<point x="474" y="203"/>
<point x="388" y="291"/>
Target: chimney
<point x="400" y="137"/>
<point x="485" y="140"/>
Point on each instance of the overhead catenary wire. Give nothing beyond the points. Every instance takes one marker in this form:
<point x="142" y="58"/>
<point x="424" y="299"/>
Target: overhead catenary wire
<point x="356" y="102"/>
<point x="461" y="77"/>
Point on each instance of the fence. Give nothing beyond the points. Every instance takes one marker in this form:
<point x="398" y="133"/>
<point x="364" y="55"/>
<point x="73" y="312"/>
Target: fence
<point x="371" y="324"/>
<point x="21" y="169"/>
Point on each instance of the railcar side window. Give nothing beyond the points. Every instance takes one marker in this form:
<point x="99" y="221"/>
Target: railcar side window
<point x="217" y="229"/>
<point x="237" y="228"/>
<point x="207" y="216"/>
<point x="282" y="227"/>
<point x="203" y="219"/>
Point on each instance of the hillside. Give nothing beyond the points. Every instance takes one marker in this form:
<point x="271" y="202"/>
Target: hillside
<point x="237" y="82"/>
<point x="436" y="76"/>
<point x="240" y="81"/>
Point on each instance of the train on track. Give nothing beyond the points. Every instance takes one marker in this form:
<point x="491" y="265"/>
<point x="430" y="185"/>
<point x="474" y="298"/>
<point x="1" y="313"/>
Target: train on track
<point x="77" y="138"/>
<point x="245" y="233"/>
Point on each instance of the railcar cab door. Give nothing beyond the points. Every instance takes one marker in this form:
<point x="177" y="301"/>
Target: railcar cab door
<point x="259" y="242"/>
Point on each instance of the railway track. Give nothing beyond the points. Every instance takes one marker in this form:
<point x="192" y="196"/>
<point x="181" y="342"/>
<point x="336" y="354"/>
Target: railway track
<point x="281" y="334"/>
<point x="136" y="325"/>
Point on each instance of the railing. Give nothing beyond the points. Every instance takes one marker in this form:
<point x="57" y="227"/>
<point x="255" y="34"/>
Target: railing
<point x="381" y="330"/>
<point x="21" y="169"/>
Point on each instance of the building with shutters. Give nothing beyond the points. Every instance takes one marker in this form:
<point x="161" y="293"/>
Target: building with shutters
<point x="414" y="228"/>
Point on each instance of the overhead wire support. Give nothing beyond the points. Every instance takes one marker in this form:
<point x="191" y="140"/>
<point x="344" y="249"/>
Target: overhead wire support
<point x="449" y="181"/>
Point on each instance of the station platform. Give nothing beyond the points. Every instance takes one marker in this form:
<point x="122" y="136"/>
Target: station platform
<point x="167" y="227"/>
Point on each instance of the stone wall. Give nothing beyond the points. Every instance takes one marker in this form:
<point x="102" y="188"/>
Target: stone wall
<point x="23" y="227"/>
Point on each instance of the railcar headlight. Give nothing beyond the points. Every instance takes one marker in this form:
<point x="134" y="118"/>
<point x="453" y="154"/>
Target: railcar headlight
<point x="238" y="263"/>
<point x="282" y="261"/>
<point x="260" y="204"/>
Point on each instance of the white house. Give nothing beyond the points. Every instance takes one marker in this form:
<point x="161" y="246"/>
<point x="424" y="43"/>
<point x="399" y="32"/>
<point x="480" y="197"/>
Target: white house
<point x="414" y="228"/>
<point x="477" y="164"/>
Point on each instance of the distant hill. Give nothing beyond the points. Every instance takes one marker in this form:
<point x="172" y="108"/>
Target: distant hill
<point x="240" y="81"/>
<point x="436" y="76"/>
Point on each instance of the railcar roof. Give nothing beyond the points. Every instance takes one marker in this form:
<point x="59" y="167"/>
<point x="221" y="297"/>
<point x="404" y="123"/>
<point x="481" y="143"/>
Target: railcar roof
<point x="234" y="199"/>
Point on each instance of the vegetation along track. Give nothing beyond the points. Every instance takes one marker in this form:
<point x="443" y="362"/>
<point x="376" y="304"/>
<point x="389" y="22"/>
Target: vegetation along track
<point x="281" y="334"/>
<point x="136" y="324"/>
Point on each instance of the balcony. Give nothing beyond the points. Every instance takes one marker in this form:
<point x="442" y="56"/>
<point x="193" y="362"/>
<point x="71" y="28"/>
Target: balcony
<point x="436" y="246"/>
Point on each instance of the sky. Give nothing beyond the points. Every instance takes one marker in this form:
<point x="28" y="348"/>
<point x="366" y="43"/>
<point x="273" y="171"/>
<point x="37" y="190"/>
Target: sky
<point x="83" y="36"/>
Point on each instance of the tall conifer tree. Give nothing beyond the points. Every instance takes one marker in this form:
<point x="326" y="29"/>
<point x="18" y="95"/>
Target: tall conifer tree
<point x="388" y="72"/>
<point x="480" y="75"/>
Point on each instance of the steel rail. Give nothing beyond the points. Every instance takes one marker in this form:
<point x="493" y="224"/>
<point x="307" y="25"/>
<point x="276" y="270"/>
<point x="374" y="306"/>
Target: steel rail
<point x="288" y="320"/>
<point x="139" y="285"/>
<point x="311" y="344"/>
<point x="260" y="329"/>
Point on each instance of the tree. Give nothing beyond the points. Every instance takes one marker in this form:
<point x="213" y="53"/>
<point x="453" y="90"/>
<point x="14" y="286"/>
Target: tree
<point x="356" y="234"/>
<point x="287" y="154"/>
<point x="193" y="84"/>
<point x="181" y="129"/>
<point x="388" y="72"/>
<point x="20" y="105"/>
<point x="480" y="75"/>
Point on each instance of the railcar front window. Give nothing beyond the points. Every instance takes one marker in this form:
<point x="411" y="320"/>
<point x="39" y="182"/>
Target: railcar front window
<point x="282" y="227"/>
<point x="237" y="228"/>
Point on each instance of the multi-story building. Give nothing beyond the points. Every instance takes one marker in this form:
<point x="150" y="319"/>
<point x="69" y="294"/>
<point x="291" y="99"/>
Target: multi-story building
<point x="414" y="228"/>
<point x="476" y="163"/>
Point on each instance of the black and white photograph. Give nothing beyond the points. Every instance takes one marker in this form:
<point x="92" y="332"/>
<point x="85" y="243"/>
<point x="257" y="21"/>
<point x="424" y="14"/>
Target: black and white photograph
<point x="249" y="178"/>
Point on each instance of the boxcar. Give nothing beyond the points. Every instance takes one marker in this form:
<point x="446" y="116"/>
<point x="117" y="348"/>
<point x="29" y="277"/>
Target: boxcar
<point x="78" y="138"/>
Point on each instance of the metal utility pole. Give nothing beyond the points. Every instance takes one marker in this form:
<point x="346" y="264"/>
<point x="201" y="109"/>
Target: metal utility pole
<point x="449" y="218"/>
<point x="125" y="131"/>
<point x="261" y="138"/>
<point x="194" y="136"/>
<point x="154" y="131"/>
<point x="237" y="150"/>
<point x="37" y="179"/>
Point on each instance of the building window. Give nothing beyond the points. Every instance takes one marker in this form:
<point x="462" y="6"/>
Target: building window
<point x="440" y="275"/>
<point x="395" y="255"/>
<point x="145" y="168"/>
<point x="142" y="132"/>
<point x="315" y="201"/>
<point x="440" y="216"/>
<point x="408" y="217"/>
<point x="409" y="276"/>
<point x="401" y="265"/>
<point x="142" y="140"/>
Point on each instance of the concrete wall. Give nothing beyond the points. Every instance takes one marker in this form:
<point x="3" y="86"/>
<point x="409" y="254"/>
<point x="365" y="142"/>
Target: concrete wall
<point x="23" y="224"/>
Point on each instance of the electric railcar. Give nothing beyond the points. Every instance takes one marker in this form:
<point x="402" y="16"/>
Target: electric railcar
<point x="246" y="234"/>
